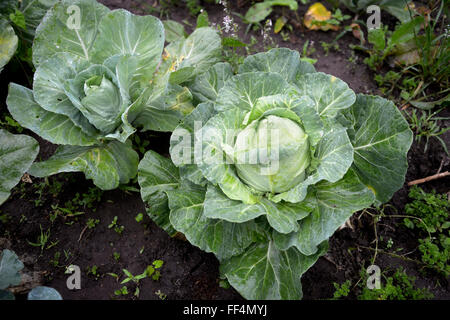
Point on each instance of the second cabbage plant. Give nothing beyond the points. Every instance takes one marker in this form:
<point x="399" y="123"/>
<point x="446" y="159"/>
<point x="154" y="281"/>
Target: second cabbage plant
<point x="270" y="164"/>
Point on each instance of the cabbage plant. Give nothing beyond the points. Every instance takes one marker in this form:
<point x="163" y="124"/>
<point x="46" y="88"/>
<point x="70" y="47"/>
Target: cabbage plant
<point x="271" y="163"/>
<point x="99" y="74"/>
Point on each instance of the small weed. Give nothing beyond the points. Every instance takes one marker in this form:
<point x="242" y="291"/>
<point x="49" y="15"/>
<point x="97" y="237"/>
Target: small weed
<point x="139" y="217"/>
<point x="426" y="125"/>
<point x="93" y="271"/>
<point x="92" y="223"/>
<point x="327" y="46"/>
<point x="117" y="228"/>
<point x="308" y="50"/>
<point x="42" y="240"/>
<point x="432" y="213"/>
<point x="11" y="125"/>
<point x="122" y="291"/>
<point x="114" y="275"/>
<point x="67" y="254"/>
<point x="55" y="261"/>
<point x="5" y="218"/>
<point x="161" y="295"/>
<point x="116" y="256"/>
<point x="398" y="286"/>
<point x="342" y="290"/>
<point x="130" y="277"/>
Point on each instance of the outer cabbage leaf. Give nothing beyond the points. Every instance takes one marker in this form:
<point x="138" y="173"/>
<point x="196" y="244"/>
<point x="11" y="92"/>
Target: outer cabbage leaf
<point x="223" y="238"/>
<point x="329" y="93"/>
<point x="173" y="30"/>
<point x="56" y="128"/>
<point x="260" y="11"/>
<point x="17" y="153"/>
<point x="7" y="6"/>
<point x="49" y="88"/>
<point x="43" y="293"/>
<point x="284" y="61"/>
<point x="281" y="216"/>
<point x="182" y="142"/>
<point x="108" y="165"/>
<point x="6" y="295"/>
<point x="157" y="175"/>
<point x="207" y="85"/>
<point x="381" y="139"/>
<point x="335" y="203"/>
<point x="265" y="272"/>
<point x="167" y="111"/>
<point x="78" y="41"/>
<point x="218" y="132"/>
<point x="123" y="33"/>
<point x="243" y="90"/>
<point x="187" y="58"/>
<point x="8" y="43"/>
<point x="10" y="266"/>
<point x="34" y="11"/>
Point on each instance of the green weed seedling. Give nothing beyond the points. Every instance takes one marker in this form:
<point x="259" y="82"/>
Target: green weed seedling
<point x="43" y="240"/>
<point x="11" y="125"/>
<point x="93" y="271"/>
<point x="152" y="271"/>
<point x="114" y="275"/>
<point x="92" y="223"/>
<point x="161" y="295"/>
<point x="130" y="277"/>
<point x="117" y="228"/>
<point x="122" y="291"/>
<point x="139" y="217"/>
<point x="55" y="261"/>
<point x="425" y="124"/>
<point x="116" y="256"/>
<point x="342" y="290"/>
<point x="432" y="213"/>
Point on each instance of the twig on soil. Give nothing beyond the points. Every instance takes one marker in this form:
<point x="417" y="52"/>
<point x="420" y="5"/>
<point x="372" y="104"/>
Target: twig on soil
<point x="82" y="232"/>
<point x="433" y="177"/>
<point x="440" y="167"/>
<point x="376" y="240"/>
<point x="400" y="257"/>
<point x="391" y="254"/>
<point x="331" y="261"/>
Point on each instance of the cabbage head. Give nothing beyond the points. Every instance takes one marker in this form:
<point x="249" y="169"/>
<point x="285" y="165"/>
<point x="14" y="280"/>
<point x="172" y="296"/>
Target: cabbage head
<point x="270" y="164"/>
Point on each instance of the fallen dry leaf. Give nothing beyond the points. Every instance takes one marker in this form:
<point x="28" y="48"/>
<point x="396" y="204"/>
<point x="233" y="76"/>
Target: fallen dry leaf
<point x="316" y="18"/>
<point x="357" y="33"/>
<point x="26" y="178"/>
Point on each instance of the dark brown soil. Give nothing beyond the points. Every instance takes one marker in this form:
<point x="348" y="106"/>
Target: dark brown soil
<point x="189" y="273"/>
